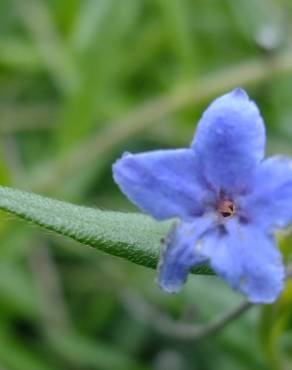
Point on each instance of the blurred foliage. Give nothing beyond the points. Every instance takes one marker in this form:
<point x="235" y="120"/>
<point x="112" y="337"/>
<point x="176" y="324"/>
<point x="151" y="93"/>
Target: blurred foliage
<point x="80" y="82"/>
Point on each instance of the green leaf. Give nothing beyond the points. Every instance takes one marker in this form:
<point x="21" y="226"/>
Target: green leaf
<point x="135" y="237"/>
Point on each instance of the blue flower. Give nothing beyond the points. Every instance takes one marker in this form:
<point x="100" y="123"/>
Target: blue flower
<point x="228" y="200"/>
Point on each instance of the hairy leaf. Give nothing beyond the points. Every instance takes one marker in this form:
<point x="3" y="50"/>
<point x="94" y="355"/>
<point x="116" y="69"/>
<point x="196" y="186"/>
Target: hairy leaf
<point x="135" y="237"/>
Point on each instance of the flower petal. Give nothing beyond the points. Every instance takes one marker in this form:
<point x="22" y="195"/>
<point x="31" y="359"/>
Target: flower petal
<point x="162" y="183"/>
<point x="247" y="259"/>
<point x="270" y="204"/>
<point x="181" y="253"/>
<point x="229" y="142"/>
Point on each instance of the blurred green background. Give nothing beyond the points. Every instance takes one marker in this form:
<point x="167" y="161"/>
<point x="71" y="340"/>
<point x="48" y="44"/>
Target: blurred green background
<point x="81" y="81"/>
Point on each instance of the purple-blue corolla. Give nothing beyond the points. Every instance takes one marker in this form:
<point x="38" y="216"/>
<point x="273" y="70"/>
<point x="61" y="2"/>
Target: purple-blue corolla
<point x="227" y="198"/>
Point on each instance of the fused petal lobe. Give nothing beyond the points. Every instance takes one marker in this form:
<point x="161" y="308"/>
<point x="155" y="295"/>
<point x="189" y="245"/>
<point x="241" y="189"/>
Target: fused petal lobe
<point x="247" y="259"/>
<point x="181" y="252"/>
<point x="229" y="142"/>
<point x="162" y="183"/>
<point x="270" y="203"/>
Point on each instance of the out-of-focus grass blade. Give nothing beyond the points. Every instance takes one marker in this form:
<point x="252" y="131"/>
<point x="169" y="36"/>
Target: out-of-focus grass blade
<point x="87" y="353"/>
<point x="18" y="355"/>
<point x="37" y="17"/>
<point x="99" y="50"/>
<point x="177" y="23"/>
<point x="19" y="54"/>
<point x="89" y="22"/>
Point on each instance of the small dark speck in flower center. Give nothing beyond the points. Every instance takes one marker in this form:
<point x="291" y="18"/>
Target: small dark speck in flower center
<point x="226" y="208"/>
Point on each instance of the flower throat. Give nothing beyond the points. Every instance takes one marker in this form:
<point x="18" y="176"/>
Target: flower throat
<point x="226" y="208"/>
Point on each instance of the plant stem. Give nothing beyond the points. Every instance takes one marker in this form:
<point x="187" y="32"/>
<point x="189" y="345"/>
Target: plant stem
<point x="177" y="329"/>
<point x="182" y="330"/>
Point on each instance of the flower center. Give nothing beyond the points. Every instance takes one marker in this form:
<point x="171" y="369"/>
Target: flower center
<point x="226" y="208"/>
